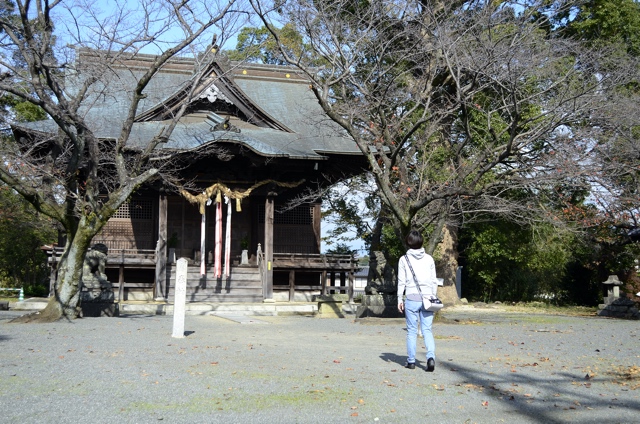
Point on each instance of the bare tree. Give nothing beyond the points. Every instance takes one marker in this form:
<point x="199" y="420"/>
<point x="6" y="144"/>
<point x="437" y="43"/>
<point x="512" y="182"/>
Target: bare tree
<point x="458" y="106"/>
<point x="62" y="57"/>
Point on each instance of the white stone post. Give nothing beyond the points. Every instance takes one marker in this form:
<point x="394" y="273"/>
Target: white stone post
<point x="180" y="298"/>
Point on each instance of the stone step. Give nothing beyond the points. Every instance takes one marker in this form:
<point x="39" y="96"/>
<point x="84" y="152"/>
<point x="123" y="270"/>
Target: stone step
<point x="243" y="285"/>
<point x="225" y="308"/>
<point x="31" y="304"/>
<point x="236" y="297"/>
<point x="239" y="275"/>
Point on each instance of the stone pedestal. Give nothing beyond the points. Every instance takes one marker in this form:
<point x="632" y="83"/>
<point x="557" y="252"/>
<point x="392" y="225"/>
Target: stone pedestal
<point x="330" y="306"/>
<point x="379" y="306"/>
<point x="619" y="308"/>
<point x="94" y="309"/>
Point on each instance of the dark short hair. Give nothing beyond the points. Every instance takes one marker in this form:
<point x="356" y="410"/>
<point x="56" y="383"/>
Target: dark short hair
<point x="414" y="239"/>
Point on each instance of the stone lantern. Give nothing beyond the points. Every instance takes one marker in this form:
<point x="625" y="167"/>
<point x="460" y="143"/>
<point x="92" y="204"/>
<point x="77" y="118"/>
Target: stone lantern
<point x="614" y="305"/>
<point x="612" y="289"/>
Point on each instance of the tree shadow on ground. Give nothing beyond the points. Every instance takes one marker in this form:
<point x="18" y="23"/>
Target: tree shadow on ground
<point x="541" y="398"/>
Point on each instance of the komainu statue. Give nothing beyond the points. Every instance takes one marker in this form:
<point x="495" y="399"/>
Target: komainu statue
<point x="382" y="276"/>
<point x="95" y="286"/>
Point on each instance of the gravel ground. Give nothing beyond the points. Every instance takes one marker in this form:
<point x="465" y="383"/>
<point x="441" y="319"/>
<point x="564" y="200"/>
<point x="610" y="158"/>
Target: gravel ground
<point x="491" y="367"/>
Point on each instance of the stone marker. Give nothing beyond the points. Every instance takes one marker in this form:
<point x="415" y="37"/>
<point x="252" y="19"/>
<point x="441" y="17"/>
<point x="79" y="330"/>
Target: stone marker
<point x="180" y="298"/>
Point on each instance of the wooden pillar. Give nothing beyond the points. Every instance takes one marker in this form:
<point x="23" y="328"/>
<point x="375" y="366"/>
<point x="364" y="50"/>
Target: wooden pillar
<point x="352" y="278"/>
<point x="324" y="282"/>
<point x="269" y="209"/>
<point x="54" y="275"/>
<point x="121" y="278"/>
<point x="317" y="218"/>
<point x="292" y="285"/>
<point x="161" y="250"/>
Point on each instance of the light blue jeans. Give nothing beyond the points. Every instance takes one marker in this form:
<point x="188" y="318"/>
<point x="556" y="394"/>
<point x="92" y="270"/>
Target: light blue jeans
<point x="412" y="310"/>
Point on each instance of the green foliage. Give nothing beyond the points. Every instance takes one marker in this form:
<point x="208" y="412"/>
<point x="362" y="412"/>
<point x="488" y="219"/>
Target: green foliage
<point x="508" y="262"/>
<point x="28" y="112"/>
<point x="22" y="233"/>
<point x="391" y="244"/>
<point x="22" y="111"/>
<point x="258" y="45"/>
<point x="342" y="249"/>
<point x="614" y="22"/>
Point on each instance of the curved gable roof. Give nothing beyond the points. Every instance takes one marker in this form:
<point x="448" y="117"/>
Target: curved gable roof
<point x="279" y="115"/>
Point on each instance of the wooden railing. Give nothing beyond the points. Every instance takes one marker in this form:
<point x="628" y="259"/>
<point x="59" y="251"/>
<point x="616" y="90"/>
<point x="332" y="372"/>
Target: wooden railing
<point x="329" y="266"/>
<point x="114" y="256"/>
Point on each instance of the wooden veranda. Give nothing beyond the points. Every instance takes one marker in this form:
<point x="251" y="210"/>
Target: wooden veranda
<point x="134" y="271"/>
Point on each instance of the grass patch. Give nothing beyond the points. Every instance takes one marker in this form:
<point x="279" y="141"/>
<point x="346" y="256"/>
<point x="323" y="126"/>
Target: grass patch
<point x="544" y="308"/>
<point x="9" y="298"/>
<point x="239" y="401"/>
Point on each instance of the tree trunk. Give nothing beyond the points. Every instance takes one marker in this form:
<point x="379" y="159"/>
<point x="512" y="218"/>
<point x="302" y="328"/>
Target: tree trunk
<point x="447" y="251"/>
<point x="374" y="246"/>
<point x="65" y="303"/>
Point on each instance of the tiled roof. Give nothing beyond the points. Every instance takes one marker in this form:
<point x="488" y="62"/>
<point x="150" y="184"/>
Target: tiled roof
<point x="276" y="93"/>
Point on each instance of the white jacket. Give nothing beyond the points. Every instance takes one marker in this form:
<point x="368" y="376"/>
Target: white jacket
<point x="425" y="270"/>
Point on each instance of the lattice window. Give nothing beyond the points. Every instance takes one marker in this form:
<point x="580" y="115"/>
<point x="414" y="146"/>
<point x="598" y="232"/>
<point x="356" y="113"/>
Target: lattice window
<point x="135" y="209"/>
<point x="300" y="215"/>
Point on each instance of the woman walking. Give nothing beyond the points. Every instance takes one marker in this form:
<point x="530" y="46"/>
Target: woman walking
<point x="417" y="267"/>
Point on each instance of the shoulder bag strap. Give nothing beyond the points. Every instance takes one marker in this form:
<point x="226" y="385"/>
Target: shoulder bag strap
<point x="406" y="257"/>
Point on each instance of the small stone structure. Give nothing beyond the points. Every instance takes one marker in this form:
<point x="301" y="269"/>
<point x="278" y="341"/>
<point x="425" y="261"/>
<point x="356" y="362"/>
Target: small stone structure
<point x="96" y="292"/>
<point x="330" y="306"/>
<point x="614" y="305"/>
